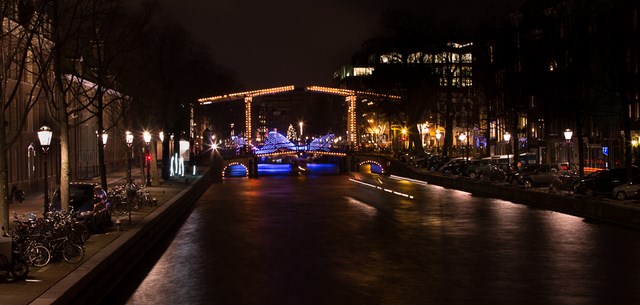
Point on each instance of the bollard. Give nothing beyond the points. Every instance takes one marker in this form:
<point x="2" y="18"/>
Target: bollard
<point x="118" y="224"/>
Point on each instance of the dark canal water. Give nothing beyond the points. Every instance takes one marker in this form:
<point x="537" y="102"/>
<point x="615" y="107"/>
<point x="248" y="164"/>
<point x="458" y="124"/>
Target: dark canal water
<point x="331" y="240"/>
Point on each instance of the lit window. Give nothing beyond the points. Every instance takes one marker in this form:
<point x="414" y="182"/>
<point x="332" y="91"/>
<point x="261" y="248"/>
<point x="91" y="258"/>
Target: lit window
<point x="428" y="58"/>
<point x="414" y="58"/>
<point x="442" y="58"/>
<point x="391" y="58"/>
<point x="467" y="58"/>
<point x="419" y="58"/>
<point x="466" y="71"/>
<point x="362" y="71"/>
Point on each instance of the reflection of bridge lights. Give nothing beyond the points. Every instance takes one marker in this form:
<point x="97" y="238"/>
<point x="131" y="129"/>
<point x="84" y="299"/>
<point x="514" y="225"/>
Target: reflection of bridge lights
<point x="390" y="191"/>
<point x="409" y="179"/>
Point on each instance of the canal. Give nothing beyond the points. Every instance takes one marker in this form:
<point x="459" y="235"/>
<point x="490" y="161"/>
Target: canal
<point x="372" y="239"/>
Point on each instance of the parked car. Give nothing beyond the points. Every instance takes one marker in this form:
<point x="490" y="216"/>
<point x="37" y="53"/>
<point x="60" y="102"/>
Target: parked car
<point x="436" y="162"/>
<point x="627" y="190"/>
<point x="475" y="169"/>
<point x="514" y="177"/>
<point x="90" y="203"/>
<point x="603" y="182"/>
<point x="494" y="172"/>
<point x="542" y="175"/>
<point x="454" y="165"/>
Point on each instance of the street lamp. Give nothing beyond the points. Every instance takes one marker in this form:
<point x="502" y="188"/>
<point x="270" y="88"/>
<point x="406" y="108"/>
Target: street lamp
<point x="147" y="139"/>
<point x="462" y="137"/>
<point x="567" y="136"/>
<point x="105" y="137"/>
<point x="438" y="136"/>
<point x="507" y="137"/>
<point x="129" y="140"/>
<point x="44" y="135"/>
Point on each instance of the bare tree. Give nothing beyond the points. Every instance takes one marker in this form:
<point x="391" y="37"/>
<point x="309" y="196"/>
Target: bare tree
<point x="21" y="37"/>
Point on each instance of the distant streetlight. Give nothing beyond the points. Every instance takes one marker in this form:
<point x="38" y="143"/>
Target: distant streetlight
<point x="463" y="137"/>
<point x="438" y="136"/>
<point x="44" y="135"/>
<point x="147" y="139"/>
<point x="507" y="138"/>
<point x="129" y="138"/>
<point x="568" y="134"/>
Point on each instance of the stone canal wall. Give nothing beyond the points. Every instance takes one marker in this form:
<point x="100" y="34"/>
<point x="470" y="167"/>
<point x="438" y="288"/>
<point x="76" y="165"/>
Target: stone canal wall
<point x="577" y="205"/>
<point x="95" y="278"/>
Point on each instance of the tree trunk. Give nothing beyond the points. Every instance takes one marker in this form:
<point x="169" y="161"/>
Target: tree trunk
<point x="100" y="129"/>
<point x="4" y="181"/>
<point x="65" y="173"/>
<point x="62" y="115"/>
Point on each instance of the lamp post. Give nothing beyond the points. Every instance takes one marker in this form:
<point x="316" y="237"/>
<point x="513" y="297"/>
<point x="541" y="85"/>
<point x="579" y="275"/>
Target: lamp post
<point x="129" y="139"/>
<point x="462" y="137"/>
<point x="404" y="137"/>
<point x="44" y="135"/>
<point x="567" y="136"/>
<point x="507" y="138"/>
<point x="438" y="136"/>
<point x="147" y="139"/>
<point x="214" y="149"/>
<point x="634" y="150"/>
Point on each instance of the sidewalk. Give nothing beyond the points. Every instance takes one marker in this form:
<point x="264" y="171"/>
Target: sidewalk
<point x="40" y="280"/>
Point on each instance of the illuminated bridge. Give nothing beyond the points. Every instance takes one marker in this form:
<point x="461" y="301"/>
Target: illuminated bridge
<point x="351" y="96"/>
<point x="279" y="155"/>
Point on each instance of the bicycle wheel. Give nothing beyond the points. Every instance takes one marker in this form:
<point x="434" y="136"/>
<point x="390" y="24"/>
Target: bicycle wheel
<point x="38" y="255"/>
<point x="73" y="253"/>
<point x="79" y="233"/>
<point x="20" y="269"/>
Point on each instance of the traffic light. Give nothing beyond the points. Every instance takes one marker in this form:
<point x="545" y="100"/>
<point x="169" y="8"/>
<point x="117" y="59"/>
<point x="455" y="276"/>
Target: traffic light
<point x="148" y="157"/>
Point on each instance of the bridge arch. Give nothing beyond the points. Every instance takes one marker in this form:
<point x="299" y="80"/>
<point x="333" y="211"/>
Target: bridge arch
<point x="374" y="166"/>
<point x="233" y="164"/>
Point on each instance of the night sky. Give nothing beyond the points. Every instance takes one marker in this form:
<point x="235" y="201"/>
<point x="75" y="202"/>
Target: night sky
<point x="294" y="42"/>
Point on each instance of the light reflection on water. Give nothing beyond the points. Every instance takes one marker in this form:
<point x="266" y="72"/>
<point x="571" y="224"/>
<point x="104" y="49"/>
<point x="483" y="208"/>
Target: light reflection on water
<point x="326" y="240"/>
